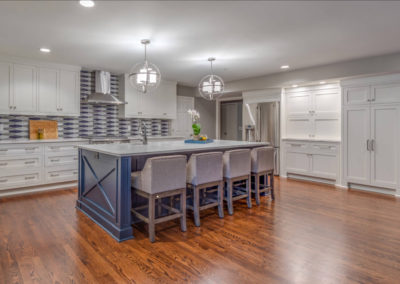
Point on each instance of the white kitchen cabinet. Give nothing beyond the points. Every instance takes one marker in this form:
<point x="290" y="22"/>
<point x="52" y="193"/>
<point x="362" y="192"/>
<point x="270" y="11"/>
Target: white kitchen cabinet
<point x="160" y="104"/>
<point x="182" y="125"/>
<point x="356" y="137"/>
<point x="371" y="132"/>
<point x="5" y="87"/>
<point x="311" y="159"/>
<point x="39" y="89"/>
<point x="24" y="85"/>
<point x="313" y="112"/>
<point x="48" y="91"/>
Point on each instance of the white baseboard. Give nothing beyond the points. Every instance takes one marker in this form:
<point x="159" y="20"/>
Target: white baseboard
<point x="312" y="179"/>
<point x="369" y="188"/>
<point x="36" y="189"/>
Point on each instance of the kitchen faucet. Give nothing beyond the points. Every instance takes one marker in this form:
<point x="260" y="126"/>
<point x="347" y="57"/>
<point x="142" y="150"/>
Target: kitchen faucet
<point x="144" y="133"/>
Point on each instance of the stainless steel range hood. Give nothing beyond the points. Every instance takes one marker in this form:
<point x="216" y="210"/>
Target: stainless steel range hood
<point x="102" y="94"/>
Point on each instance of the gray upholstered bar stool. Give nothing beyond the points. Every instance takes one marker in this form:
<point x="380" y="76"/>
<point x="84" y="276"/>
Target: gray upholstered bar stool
<point x="204" y="174"/>
<point x="237" y="166"/>
<point x="262" y="165"/>
<point x="161" y="177"/>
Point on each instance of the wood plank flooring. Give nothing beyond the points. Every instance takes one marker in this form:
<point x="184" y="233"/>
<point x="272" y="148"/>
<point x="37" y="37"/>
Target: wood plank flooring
<point x="311" y="234"/>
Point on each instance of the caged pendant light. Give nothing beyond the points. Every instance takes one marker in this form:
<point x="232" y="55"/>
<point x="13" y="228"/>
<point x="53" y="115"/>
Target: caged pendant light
<point x="211" y="86"/>
<point x="145" y="76"/>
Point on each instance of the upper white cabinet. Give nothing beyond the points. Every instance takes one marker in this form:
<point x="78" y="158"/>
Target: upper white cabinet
<point x="313" y="112"/>
<point x="24" y="89"/>
<point x="5" y="87"/>
<point x="39" y="89"/>
<point x="159" y="104"/>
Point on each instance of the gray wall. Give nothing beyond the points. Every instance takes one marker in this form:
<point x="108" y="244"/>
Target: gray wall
<point x="359" y="67"/>
<point x="207" y="109"/>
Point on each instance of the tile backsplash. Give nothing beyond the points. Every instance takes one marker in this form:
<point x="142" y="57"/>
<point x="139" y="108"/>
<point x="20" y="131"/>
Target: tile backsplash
<point x="99" y="120"/>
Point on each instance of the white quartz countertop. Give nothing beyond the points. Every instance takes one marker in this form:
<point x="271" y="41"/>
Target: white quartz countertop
<point x="27" y="141"/>
<point x="166" y="147"/>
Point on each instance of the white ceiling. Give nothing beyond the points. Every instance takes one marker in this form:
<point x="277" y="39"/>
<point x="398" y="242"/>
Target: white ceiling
<point x="248" y="38"/>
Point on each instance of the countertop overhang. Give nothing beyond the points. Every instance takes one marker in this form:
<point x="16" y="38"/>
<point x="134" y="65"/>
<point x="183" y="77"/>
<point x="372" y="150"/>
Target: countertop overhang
<point x="166" y="147"/>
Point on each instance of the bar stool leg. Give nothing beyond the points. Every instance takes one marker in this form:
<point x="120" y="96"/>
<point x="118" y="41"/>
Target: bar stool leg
<point x="257" y="188"/>
<point x="183" y="210"/>
<point x="248" y="188"/>
<point x="221" y="200"/>
<point x="196" y="204"/>
<point x="272" y="186"/>
<point x="229" y="189"/>
<point x="151" y="218"/>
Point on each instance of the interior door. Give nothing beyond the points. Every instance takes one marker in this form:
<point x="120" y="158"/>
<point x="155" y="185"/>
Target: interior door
<point x="385" y="147"/>
<point x="48" y="91"/>
<point x="356" y="134"/>
<point x="231" y="121"/>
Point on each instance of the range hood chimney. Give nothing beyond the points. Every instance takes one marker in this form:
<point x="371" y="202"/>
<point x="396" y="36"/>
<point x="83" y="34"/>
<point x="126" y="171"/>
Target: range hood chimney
<point x="102" y="94"/>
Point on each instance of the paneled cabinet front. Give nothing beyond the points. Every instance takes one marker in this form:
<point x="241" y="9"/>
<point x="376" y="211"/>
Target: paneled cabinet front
<point x="37" y="90"/>
<point x="161" y="103"/>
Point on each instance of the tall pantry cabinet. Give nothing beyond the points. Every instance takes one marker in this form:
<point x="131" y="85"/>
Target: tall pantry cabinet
<point x="371" y="133"/>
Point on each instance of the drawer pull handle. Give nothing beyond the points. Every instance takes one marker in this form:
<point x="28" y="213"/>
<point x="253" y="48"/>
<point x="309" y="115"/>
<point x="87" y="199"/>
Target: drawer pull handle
<point x="75" y="159"/>
<point x="54" y="175"/>
<point x="55" y="160"/>
<point x="75" y="147"/>
<point x="29" y="162"/>
<point x="3" y="180"/>
<point x="30" y="149"/>
<point x="3" y="164"/>
<point x="295" y="145"/>
<point x="29" y="178"/>
<point x="75" y="173"/>
<point x="55" y="148"/>
<point x="3" y="150"/>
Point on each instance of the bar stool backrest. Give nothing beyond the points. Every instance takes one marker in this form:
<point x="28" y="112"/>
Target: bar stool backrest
<point x="237" y="163"/>
<point x="164" y="173"/>
<point x="262" y="159"/>
<point x="204" y="168"/>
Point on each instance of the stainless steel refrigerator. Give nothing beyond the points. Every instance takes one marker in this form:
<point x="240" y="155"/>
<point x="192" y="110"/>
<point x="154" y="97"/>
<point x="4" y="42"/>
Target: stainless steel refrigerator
<point x="264" y="126"/>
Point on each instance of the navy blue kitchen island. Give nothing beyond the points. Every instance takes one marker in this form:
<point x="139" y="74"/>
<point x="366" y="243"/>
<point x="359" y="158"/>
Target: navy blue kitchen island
<point x="104" y="189"/>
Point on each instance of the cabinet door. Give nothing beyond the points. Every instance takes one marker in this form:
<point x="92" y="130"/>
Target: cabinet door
<point x="299" y="103"/>
<point x="324" y="166"/>
<point x="48" y="91"/>
<point x="356" y="135"/>
<point x="182" y="125"/>
<point x="299" y="127"/>
<point x="5" y="87"/>
<point x="298" y="163"/>
<point x="384" y="154"/>
<point x="69" y="100"/>
<point x="166" y="100"/>
<point x="24" y="89"/>
<point x="356" y="95"/>
<point x="388" y="93"/>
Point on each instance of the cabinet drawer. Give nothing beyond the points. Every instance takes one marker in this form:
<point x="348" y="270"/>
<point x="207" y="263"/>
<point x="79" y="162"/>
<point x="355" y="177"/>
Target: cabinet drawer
<point x="16" y="150"/>
<point x="20" y="162"/>
<point x="14" y="180"/>
<point x="59" y="160"/>
<point x="61" y="148"/>
<point x="297" y="147"/>
<point x="61" y="174"/>
<point x="322" y="148"/>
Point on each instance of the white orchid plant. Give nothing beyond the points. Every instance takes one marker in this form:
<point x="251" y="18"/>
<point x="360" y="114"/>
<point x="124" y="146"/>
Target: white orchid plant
<point x="195" y="115"/>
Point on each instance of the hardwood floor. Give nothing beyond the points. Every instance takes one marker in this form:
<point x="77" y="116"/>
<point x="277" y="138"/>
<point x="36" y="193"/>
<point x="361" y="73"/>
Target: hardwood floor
<point x="310" y="234"/>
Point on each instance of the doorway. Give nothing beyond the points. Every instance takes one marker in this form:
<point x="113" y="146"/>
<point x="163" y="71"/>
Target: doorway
<point x="231" y="120"/>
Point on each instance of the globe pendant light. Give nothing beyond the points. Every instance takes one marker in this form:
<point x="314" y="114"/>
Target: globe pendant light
<point x="145" y="76"/>
<point x="211" y="86"/>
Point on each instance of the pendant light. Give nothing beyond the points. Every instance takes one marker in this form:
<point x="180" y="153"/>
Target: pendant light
<point x="145" y="76"/>
<point x="211" y="86"/>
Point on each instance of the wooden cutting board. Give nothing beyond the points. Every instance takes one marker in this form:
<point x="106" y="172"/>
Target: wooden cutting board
<point x="50" y="128"/>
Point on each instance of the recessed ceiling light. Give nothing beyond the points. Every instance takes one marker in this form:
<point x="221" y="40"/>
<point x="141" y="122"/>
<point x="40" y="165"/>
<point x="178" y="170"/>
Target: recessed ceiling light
<point x="294" y="86"/>
<point x="87" y="3"/>
<point x="45" y="50"/>
<point x="322" y="82"/>
<point x="285" y="67"/>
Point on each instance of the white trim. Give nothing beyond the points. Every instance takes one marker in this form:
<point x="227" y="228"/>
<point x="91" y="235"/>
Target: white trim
<point x="38" y="63"/>
<point x="371" y="80"/>
<point x="36" y="189"/>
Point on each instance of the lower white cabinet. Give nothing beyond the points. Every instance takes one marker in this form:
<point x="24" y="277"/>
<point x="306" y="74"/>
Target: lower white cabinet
<point x="24" y="167"/>
<point x="312" y="159"/>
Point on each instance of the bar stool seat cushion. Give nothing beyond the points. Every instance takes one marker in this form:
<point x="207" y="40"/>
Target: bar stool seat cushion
<point x="204" y="168"/>
<point x="262" y="159"/>
<point x="161" y="174"/>
<point x="237" y="163"/>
